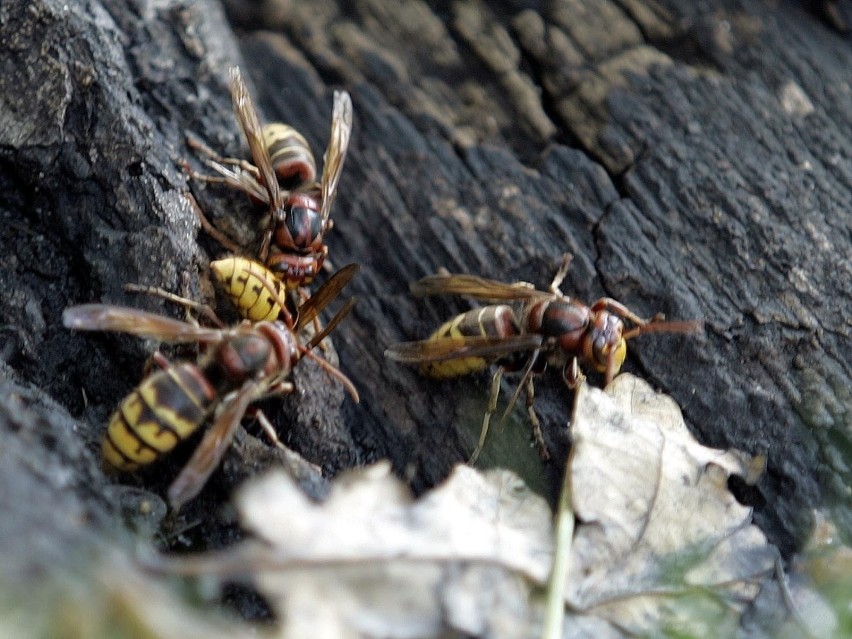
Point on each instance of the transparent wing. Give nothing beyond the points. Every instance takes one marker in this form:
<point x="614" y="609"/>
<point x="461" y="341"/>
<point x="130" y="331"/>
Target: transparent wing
<point x="477" y="287"/>
<point x="243" y="180"/>
<point x="335" y="154"/>
<point x="250" y="124"/>
<point x="207" y="456"/>
<point x="328" y="328"/>
<point x="243" y="176"/>
<point x="121" y="319"/>
<point x="325" y="294"/>
<point x="446" y="348"/>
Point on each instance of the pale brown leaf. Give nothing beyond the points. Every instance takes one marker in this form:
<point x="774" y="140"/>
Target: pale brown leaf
<point x="657" y="525"/>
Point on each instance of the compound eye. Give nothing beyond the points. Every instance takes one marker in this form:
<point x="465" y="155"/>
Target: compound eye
<point x="609" y="340"/>
<point x="597" y="357"/>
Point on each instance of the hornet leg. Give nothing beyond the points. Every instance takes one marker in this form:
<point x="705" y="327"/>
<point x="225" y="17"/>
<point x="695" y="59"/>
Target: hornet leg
<point x="486" y="419"/>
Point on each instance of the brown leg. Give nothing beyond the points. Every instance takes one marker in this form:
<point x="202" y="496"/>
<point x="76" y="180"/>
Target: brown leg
<point x="280" y="387"/>
<point x="486" y="419"/>
<point x="235" y="178"/>
<point x="197" y="145"/>
<point x="536" y="424"/>
<point x="617" y="308"/>
<point x="573" y="374"/>
<point x="293" y="460"/>
<point x="269" y="429"/>
<point x="156" y="291"/>
<point x="560" y="274"/>
<point x="211" y="230"/>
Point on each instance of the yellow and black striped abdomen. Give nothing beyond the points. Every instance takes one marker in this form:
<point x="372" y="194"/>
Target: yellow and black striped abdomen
<point x="495" y="321"/>
<point x="242" y="280"/>
<point x="290" y="153"/>
<point x="167" y="407"/>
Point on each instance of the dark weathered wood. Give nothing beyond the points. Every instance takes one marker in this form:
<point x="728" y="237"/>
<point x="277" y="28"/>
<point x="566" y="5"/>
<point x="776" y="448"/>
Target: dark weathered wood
<point x="695" y="164"/>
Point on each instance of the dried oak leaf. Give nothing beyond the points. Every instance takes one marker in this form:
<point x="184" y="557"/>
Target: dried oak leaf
<point x="372" y="561"/>
<point x="660" y="541"/>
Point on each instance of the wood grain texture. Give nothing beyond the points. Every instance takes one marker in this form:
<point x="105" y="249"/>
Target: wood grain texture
<point x="696" y="164"/>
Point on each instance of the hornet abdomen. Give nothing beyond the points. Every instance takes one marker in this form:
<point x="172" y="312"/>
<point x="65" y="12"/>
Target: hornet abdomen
<point x="497" y="321"/>
<point x="166" y="408"/>
<point x="242" y="279"/>
<point x="290" y="154"/>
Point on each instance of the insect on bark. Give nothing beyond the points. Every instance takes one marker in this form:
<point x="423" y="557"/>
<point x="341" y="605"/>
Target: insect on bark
<point x="281" y="177"/>
<point x="531" y="330"/>
<point x="239" y="366"/>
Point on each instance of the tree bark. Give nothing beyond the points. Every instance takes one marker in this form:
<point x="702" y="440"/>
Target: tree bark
<point x="693" y="162"/>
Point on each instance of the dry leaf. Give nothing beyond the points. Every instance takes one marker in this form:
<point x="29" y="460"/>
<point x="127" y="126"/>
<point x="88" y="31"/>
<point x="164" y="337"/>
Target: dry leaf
<point x="370" y="515"/>
<point x="371" y="561"/>
<point x="660" y="545"/>
<point x="661" y="541"/>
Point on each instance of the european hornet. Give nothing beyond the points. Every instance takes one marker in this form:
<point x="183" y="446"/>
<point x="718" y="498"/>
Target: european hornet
<point x="240" y="365"/>
<point x="293" y="246"/>
<point x="548" y="328"/>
